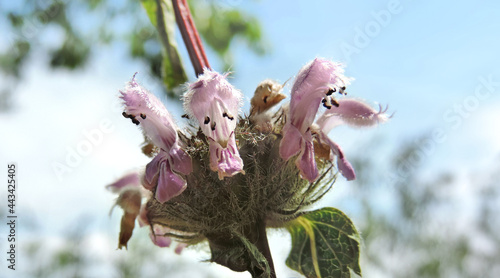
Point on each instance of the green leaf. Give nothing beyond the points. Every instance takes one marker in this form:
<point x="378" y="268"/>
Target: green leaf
<point x="161" y="14"/>
<point x="325" y="243"/>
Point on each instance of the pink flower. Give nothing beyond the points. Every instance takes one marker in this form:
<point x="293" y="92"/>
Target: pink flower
<point x="171" y="162"/>
<point x="131" y="180"/>
<point x="352" y="112"/>
<point x="214" y="103"/>
<point x="315" y="84"/>
<point x="159" y="238"/>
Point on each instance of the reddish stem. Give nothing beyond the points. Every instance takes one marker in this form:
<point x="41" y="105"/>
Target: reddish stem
<point x="190" y="36"/>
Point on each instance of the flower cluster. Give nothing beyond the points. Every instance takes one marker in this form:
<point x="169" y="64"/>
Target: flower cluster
<point x="249" y="156"/>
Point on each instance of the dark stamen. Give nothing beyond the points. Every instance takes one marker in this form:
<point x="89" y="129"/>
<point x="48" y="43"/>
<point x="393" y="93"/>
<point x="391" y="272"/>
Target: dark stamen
<point x="327" y="106"/>
<point x="213" y="125"/>
<point x="227" y="116"/>
<point x="207" y="120"/>
<point x="134" y="120"/>
<point x="143" y="116"/>
<point x="343" y="88"/>
<point x="126" y="115"/>
<point x="324" y="100"/>
<point x="331" y="91"/>
<point x="185" y="116"/>
<point x="335" y="103"/>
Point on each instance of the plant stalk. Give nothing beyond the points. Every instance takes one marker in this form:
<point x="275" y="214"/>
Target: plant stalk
<point x="190" y="36"/>
<point x="263" y="245"/>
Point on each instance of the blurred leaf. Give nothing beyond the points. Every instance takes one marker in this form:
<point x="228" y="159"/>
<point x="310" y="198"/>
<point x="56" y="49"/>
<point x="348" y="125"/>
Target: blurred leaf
<point x="224" y="25"/>
<point x="73" y="53"/>
<point x="325" y="243"/>
<point x="11" y="61"/>
<point x="161" y="14"/>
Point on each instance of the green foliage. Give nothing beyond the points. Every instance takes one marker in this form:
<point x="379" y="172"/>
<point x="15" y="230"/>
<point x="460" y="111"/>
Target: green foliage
<point x="154" y="44"/>
<point x="220" y="26"/>
<point x="325" y="243"/>
<point x="162" y="16"/>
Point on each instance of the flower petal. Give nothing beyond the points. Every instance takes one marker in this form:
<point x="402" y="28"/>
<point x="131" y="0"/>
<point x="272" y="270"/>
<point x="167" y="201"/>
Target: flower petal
<point x="158" y="238"/>
<point x="306" y="162"/>
<point x="352" y="112"/>
<point x="214" y="102"/>
<point x="290" y="144"/>
<point x="180" y="247"/>
<point x="144" y="108"/>
<point x="180" y="161"/>
<point x="226" y="161"/>
<point x="131" y="179"/>
<point x="345" y="168"/>
<point x="169" y="184"/>
<point x="152" y="169"/>
<point x="313" y="84"/>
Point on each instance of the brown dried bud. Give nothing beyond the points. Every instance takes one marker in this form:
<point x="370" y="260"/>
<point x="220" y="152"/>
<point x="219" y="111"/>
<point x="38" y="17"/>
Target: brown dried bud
<point x="267" y="94"/>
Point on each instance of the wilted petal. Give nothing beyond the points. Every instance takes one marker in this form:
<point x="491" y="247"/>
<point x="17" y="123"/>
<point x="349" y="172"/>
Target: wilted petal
<point x="214" y="102"/>
<point x="267" y="95"/>
<point x="131" y="179"/>
<point x="130" y="201"/>
<point x="226" y="161"/>
<point x="345" y="168"/>
<point x="169" y="183"/>
<point x="145" y="109"/>
<point x="143" y="216"/>
<point x="352" y="112"/>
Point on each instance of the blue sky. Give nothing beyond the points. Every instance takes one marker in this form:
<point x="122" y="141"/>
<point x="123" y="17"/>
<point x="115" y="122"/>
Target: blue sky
<point x="424" y="62"/>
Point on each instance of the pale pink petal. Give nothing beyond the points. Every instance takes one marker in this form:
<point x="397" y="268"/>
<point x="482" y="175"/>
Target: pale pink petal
<point x="352" y="112"/>
<point x="145" y="109"/>
<point x="158" y="237"/>
<point x="131" y="179"/>
<point x="226" y="161"/>
<point x="290" y="144"/>
<point x="180" y="247"/>
<point x="345" y="168"/>
<point x="153" y="168"/>
<point x="306" y="162"/>
<point x="180" y="161"/>
<point x="214" y="103"/>
<point x="313" y="85"/>
<point x="169" y="184"/>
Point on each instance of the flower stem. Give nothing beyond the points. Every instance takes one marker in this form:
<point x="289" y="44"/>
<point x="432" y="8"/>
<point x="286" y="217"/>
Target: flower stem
<point x="263" y="245"/>
<point x="190" y="36"/>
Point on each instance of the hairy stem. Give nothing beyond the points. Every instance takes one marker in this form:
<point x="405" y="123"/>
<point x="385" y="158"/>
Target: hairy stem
<point x="263" y="245"/>
<point x="190" y="36"/>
